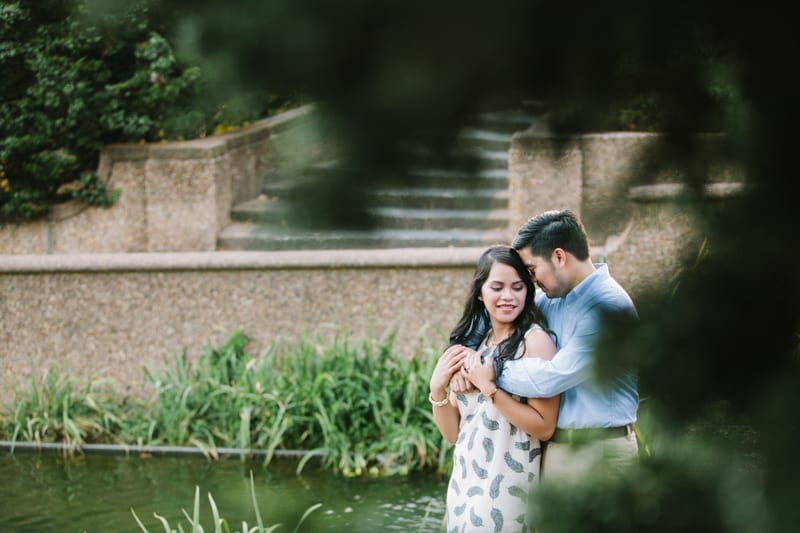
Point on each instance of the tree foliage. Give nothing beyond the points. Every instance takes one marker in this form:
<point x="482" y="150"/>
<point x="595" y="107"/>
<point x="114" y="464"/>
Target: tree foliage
<point x="77" y="77"/>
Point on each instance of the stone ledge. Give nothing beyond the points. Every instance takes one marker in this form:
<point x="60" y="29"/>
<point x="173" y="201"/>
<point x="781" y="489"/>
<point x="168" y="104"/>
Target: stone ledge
<point x="187" y="261"/>
<point x="211" y="146"/>
<point x="676" y="191"/>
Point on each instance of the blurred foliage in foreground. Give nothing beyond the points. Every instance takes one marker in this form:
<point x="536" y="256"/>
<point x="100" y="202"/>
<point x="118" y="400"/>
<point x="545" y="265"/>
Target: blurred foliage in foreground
<point x="384" y="73"/>
<point x="387" y="72"/>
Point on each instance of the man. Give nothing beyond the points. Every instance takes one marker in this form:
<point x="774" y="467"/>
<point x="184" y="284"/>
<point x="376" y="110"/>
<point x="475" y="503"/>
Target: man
<point x="594" y="428"/>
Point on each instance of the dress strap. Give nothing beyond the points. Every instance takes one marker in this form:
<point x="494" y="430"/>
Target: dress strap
<point x="533" y="328"/>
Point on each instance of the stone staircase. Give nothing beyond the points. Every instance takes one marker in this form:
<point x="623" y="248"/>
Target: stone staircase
<point x="447" y="206"/>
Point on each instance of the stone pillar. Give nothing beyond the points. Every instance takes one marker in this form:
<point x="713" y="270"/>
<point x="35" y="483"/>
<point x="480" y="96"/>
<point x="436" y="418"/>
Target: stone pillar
<point x="661" y="238"/>
<point x="186" y="193"/>
<point x="627" y="190"/>
<point x="612" y="163"/>
<point x="544" y="173"/>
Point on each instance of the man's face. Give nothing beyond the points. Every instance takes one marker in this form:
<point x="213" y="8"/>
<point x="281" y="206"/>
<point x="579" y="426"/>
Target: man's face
<point x="544" y="273"/>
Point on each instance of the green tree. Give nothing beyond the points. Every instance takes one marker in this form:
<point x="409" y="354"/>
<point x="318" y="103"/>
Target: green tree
<point x="78" y="76"/>
<point x="69" y="88"/>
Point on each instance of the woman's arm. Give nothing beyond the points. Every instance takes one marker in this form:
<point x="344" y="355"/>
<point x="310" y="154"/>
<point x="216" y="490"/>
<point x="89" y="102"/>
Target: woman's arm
<point x="446" y="416"/>
<point x="538" y="416"/>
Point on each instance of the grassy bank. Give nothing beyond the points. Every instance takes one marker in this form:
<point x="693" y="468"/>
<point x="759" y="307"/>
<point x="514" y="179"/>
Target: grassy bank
<point x="356" y="401"/>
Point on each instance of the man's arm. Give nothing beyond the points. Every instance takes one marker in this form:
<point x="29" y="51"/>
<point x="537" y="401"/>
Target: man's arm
<point x="534" y="377"/>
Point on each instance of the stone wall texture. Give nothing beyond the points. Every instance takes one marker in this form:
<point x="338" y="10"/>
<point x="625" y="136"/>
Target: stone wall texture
<point x="647" y="236"/>
<point x="105" y="316"/>
<point x="105" y="292"/>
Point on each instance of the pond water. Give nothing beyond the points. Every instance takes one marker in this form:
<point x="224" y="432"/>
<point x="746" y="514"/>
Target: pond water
<point x="50" y="493"/>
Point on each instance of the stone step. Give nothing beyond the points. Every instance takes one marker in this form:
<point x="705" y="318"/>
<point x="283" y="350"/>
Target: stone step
<point x="470" y="141"/>
<point x="461" y="157"/>
<point x="505" y="121"/>
<point x="495" y="178"/>
<point x="250" y="236"/>
<point x="265" y="210"/>
<point x="492" y="159"/>
<point x="442" y="198"/>
<point x="454" y="199"/>
<point x="434" y="178"/>
<point x="441" y="219"/>
<point x="490" y="165"/>
<point x="484" y="139"/>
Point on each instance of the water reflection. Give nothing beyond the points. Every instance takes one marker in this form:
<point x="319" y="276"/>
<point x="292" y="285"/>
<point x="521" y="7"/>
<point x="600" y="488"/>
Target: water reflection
<point x="47" y="493"/>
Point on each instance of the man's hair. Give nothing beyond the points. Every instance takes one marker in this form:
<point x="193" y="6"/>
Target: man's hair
<point x="554" y="229"/>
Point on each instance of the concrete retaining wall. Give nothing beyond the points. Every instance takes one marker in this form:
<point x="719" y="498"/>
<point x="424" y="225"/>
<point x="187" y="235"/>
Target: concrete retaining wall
<point x="175" y="196"/>
<point x="106" y="315"/>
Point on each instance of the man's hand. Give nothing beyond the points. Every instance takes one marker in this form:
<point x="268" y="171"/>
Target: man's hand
<point x="459" y="383"/>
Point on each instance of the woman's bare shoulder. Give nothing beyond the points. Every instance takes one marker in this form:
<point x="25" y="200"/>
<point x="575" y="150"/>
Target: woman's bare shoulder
<point x="538" y="343"/>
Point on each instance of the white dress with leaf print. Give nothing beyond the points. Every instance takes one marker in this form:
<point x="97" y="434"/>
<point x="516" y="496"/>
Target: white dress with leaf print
<point x="494" y="467"/>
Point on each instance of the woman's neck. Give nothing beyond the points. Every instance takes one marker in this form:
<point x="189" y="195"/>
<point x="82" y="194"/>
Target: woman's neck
<point x="499" y="333"/>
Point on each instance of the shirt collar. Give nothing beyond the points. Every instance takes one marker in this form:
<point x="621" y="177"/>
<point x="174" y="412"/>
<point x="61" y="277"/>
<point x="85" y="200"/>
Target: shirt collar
<point x="585" y="286"/>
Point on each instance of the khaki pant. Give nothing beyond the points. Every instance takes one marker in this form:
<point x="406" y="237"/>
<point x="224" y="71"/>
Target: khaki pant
<point x="563" y="461"/>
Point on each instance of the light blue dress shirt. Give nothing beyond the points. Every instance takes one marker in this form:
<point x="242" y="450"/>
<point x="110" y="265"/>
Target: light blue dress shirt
<point x="575" y="319"/>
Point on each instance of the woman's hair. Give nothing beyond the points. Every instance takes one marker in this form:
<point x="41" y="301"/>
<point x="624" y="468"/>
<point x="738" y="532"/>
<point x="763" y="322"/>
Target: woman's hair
<point x="475" y="308"/>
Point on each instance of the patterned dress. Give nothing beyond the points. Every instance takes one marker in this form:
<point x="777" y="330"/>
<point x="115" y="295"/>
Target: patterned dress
<point x="494" y="467"/>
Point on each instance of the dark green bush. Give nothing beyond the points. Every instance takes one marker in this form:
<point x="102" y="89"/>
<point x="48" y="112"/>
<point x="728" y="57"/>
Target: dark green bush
<point x="74" y="80"/>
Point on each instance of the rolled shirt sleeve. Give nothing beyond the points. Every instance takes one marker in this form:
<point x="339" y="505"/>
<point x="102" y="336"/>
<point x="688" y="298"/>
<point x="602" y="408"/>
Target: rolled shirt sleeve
<point x="534" y="377"/>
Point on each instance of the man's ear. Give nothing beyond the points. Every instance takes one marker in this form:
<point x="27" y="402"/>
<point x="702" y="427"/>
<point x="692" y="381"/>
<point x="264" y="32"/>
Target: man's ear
<point x="559" y="257"/>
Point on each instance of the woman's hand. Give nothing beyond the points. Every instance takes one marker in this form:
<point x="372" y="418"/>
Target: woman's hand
<point x="460" y="383"/>
<point x="481" y="373"/>
<point x="445" y="411"/>
<point x="448" y="365"/>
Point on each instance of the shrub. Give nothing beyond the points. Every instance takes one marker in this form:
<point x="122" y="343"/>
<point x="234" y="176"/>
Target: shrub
<point x="74" y="81"/>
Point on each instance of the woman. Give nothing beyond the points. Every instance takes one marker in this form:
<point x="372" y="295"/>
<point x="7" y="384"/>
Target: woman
<point x="496" y="436"/>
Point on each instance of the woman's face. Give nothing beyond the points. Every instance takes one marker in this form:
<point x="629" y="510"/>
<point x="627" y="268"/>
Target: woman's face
<point x="503" y="294"/>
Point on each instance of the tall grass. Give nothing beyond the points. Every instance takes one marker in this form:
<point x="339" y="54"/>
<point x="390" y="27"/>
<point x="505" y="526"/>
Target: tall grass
<point x="356" y="402"/>
<point x="57" y="408"/>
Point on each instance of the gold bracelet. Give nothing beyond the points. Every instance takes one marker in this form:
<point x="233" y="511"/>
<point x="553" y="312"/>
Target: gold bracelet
<point x="440" y="403"/>
<point x="491" y="394"/>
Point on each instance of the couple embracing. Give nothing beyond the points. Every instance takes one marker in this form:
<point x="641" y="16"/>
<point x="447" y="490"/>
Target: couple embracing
<point x="520" y="374"/>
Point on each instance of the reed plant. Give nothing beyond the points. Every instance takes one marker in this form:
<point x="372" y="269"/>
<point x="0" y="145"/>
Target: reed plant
<point x="221" y="524"/>
<point x="58" y="408"/>
<point x="356" y="403"/>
